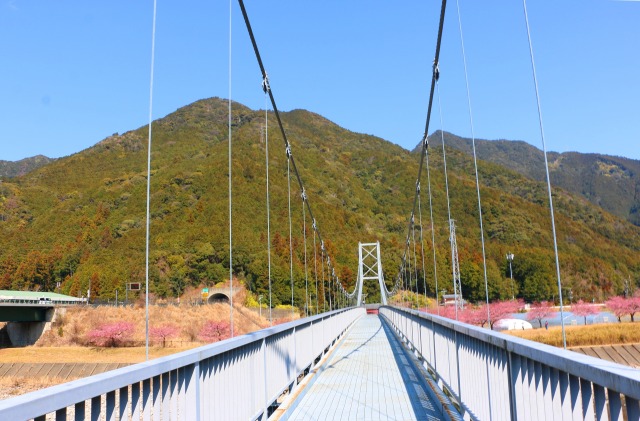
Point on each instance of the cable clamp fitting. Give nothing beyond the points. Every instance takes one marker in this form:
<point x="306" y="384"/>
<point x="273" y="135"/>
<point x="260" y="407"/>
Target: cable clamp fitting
<point x="315" y="227"/>
<point x="288" y="151"/>
<point x="265" y="83"/>
<point x="436" y="70"/>
<point x="322" y="245"/>
<point x="418" y="186"/>
<point x="304" y="196"/>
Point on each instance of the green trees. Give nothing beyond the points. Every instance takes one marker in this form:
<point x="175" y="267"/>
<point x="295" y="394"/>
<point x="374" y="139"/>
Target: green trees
<point x="84" y="215"/>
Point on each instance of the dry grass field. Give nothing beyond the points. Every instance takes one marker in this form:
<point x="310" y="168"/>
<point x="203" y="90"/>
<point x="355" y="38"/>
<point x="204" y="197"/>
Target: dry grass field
<point x="590" y="335"/>
<point x="72" y="328"/>
<point x="80" y="354"/>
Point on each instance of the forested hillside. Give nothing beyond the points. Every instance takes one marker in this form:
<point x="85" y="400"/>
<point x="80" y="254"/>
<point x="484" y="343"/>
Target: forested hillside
<point x="611" y="182"/>
<point x="23" y="166"/>
<point x="81" y="219"/>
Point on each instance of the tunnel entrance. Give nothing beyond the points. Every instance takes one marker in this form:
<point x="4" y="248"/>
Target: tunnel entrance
<point x="218" y="298"/>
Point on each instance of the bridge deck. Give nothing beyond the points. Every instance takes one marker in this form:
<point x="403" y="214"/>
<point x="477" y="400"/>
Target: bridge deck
<point x="368" y="377"/>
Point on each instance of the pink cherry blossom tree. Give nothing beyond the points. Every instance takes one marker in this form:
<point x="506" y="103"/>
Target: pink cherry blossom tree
<point x="214" y="331"/>
<point x="633" y="306"/>
<point x="540" y="311"/>
<point x="471" y="315"/>
<point x="111" y="334"/>
<point x="618" y="306"/>
<point x="164" y="332"/>
<point x="582" y="309"/>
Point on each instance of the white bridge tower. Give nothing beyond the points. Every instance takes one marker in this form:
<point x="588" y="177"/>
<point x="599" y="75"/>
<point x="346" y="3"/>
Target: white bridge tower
<point x="370" y="267"/>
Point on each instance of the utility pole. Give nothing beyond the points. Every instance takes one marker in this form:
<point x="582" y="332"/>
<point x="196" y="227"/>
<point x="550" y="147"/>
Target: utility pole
<point x="510" y="257"/>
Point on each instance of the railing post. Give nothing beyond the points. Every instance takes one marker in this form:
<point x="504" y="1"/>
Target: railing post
<point x="193" y="391"/>
<point x="110" y="406"/>
<point x="182" y="395"/>
<point x="576" y="398"/>
<point x="174" y="391"/>
<point x="615" y="405"/>
<point x="159" y="388"/>
<point x="587" y="400"/>
<point x="95" y="408"/>
<point x="295" y="357"/>
<point x="61" y="414"/>
<point x="265" y="413"/>
<point x="79" y="411"/>
<point x="602" y="412"/>
<point x="135" y="401"/>
<point x="146" y="394"/>
<point x="633" y="409"/>
<point x="124" y="402"/>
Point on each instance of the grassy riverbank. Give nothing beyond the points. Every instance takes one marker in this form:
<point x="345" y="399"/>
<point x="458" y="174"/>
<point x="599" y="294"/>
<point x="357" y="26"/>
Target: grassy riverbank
<point x="590" y="335"/>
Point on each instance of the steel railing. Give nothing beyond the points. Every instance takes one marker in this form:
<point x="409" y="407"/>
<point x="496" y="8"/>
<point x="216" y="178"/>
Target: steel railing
<point x="492" y="376"/>
<point x="236" y="379"/>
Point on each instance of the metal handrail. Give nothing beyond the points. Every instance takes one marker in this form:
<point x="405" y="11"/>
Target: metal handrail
<point x="238" y="378"/>
<point x="500" y="377"/>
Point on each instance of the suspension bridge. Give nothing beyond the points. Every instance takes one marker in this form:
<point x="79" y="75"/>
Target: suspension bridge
<point x="347" y="362"/>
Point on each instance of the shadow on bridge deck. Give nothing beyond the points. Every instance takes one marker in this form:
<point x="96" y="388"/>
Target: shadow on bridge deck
<point x="369" y="376"/>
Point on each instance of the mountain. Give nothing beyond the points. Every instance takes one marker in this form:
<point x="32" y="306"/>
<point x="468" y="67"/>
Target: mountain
<point x="80" y="220"/>
<point x="22" y="167"/>
<point x="610" y="182"/>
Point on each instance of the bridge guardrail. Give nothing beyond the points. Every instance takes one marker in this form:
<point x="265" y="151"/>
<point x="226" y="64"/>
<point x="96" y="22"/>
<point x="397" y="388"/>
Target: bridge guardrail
<point x="493" y="376"/>
<point x="239" y="378"/>
<point x="40" y="302"/>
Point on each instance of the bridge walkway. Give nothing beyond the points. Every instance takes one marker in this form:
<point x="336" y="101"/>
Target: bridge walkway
<point x="370" y="376"/>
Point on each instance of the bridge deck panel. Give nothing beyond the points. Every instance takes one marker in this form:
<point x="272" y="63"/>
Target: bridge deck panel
<point x="369" y="377"/>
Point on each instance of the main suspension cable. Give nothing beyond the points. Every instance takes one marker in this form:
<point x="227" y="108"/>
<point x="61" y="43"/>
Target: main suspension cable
<point x="268" y="90"/>
<point x="424" y="141"/>
<point x="475" y="164"/>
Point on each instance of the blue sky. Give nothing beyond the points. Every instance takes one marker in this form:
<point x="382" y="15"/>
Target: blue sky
<point x="75" y="72"/>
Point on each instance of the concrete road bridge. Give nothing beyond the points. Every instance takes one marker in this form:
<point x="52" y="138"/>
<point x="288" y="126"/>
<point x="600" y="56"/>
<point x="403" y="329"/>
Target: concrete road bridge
<point x="28" y="314"/>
